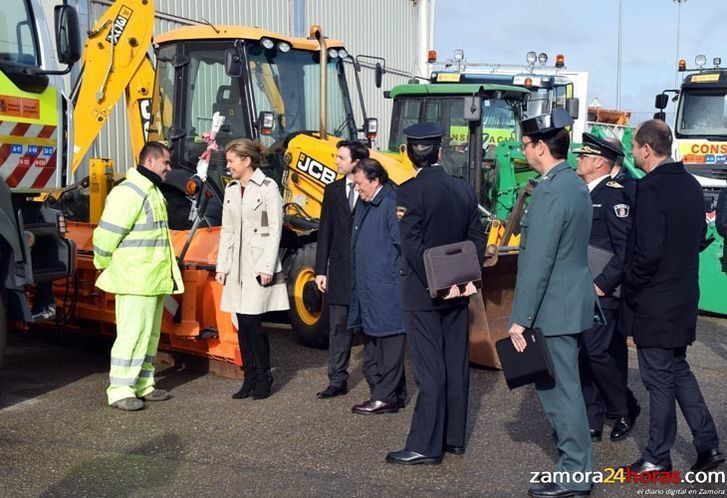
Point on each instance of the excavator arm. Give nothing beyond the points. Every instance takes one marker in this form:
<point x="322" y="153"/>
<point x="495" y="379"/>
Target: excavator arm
<point x="115" y="61"/>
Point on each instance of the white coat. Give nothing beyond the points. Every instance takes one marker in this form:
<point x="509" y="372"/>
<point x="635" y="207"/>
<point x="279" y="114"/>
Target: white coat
<point x="249" y="241"/>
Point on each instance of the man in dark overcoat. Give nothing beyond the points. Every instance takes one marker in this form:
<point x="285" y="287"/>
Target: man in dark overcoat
<point x="333" y="263"/>
<point x="376" y="289"/>
<point x="661" y="290"/>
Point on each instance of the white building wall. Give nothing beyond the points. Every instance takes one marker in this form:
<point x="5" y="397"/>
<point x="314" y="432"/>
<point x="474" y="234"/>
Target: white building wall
<point x="384" y="28"/>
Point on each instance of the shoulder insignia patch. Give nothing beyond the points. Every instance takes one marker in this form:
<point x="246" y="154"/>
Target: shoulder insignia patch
<point x="400" y="212"/>
<point x="622" y="210"/>
<point x="267" y="182"/>
<point x="614" y="184"/>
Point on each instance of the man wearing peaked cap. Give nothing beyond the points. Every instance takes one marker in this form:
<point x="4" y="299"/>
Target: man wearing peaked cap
<point x="435" y="209"/>
<point x="553" y="122"/>
<point x="598" y="147"/>
<point x="554" y="292"/>
<point x="424" y="134"/>
<point x="604" y="355"/>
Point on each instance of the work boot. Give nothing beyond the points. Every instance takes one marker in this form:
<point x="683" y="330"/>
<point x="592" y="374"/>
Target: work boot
<point x="248" y="384"/>
<point x="262" y="385"/>
<point x="157" y="395"/>
<point x="128" y="404"/>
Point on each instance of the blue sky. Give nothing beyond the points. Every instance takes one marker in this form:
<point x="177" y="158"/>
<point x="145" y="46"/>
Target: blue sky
<point x="586" y="31"/>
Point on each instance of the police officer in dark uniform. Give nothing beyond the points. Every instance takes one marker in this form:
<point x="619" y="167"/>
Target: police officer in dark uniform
<point x="435" y="209"/>
<point x="603" y="378"/>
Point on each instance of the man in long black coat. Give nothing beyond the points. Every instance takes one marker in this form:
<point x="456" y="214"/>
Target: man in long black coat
<point x="661" y="296"/>
<point x="333" y="263"/>
<point x="435" y="209"/>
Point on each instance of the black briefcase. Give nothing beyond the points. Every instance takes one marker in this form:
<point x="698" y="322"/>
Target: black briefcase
<point x="532" y="365"/>
<point x="451" y="264"/>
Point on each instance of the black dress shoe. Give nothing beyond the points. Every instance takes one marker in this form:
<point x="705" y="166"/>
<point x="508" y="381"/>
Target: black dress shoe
<point x="551" y="490"/>
<point x="707" y="460"/>
<point x="454" y="450"/>
<point x="595" y="435"/>
<point x="622" y="428"/>
<point x="642" y="465"/>
<point x="333" y="391"/>
<point x="623" y="425"/>
<point x="408" y="457"/>
<point x="374" y="407"/>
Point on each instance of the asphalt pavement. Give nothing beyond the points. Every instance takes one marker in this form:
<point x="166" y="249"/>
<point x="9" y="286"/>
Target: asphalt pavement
<point x="58" y="437"/>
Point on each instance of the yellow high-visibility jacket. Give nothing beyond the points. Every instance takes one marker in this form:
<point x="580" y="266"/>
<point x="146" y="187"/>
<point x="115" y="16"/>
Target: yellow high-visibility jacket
<point x="132" y="243"/>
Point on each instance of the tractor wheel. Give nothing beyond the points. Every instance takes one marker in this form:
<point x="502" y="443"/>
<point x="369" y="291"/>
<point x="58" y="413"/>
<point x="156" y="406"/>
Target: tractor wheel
<point x="308" y="310"/>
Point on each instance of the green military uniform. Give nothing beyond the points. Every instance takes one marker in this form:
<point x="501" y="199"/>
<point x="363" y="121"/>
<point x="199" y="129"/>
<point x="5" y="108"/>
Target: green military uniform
<point x="554" y="292"/>
<point x="133" y="247"/>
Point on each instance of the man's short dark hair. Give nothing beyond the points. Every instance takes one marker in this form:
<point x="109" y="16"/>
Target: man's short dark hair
<point x="372" y="170"/>
<point x="557" y="142"/>
<point x="357" y="149"/>
<point x="423" y="156"/>
<point x="657" y="134"/>
<point x="153" y="149"/>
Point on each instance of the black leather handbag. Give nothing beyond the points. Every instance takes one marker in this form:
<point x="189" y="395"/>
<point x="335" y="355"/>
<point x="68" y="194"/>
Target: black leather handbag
<point x="451" y="264"/>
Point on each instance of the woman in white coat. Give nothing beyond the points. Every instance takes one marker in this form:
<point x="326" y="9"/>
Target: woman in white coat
<point x="248" y="265"/>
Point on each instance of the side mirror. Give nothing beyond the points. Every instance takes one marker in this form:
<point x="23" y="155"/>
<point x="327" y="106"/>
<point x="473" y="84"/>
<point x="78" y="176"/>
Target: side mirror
<point x="661" y="115"/>
<point x="472" y="108"/>
<point x="572" y="105"/>
<point x="661" y="101"/>
<point x="378" y="74"/>
<point x="68" y="34"/>
<point x="265" y="122"/>
<point x="371" y="127"/>
<point x="233" y="63"/>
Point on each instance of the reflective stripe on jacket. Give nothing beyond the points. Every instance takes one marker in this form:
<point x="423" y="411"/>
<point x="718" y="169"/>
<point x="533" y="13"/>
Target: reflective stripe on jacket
<point x="132" y="243"/>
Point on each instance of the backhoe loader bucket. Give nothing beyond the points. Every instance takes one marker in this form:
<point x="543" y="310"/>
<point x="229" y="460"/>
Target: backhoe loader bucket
<point x="489" y="311"/>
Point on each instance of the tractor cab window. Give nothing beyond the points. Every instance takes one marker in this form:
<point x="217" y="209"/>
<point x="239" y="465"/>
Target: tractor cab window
<point x="288" y="85"/>
<point x="18" y="37"/>
<point x="499" y="124"/>
<point x="406" y="112"/>
<point x="209" y="90"/>
<point x="539" y="103"/>
<point x="163" y="101"/>
<point x="702" y="112"/>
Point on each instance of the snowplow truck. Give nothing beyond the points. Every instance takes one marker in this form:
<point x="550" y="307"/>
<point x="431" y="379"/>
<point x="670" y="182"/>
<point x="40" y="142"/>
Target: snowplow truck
<point x="34" y="131"/>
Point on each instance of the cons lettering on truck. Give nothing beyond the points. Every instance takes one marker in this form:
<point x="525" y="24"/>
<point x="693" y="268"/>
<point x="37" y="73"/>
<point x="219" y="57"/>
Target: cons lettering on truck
<point x="700" y="142"/>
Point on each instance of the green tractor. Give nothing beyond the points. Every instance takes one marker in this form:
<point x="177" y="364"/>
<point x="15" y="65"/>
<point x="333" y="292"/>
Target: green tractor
<point x="483" y="147"/>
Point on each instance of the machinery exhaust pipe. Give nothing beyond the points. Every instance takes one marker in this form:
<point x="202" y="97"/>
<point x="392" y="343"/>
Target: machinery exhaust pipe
<point x="316" y="32"/>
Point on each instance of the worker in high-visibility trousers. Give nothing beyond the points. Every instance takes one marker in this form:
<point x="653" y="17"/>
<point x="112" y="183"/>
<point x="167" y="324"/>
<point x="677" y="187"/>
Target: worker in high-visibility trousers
<point x="133" y="247"/>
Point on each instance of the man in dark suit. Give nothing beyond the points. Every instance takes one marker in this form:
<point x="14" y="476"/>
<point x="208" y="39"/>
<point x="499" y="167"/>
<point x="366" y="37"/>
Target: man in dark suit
<point x="554" y="291"/>
<point x="435" y="209"/>
<point x="603" y="379"/>
<point x="333" y="263"/>
<point x="661" y="295"/>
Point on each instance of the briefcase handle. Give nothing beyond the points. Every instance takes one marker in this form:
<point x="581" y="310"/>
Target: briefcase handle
<point x="456" y="250"/>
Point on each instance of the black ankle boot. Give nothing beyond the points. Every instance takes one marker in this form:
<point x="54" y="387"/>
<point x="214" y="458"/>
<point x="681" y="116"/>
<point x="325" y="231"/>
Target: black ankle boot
<point x="263" y="385"/>
<point x="248" y="384"/>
